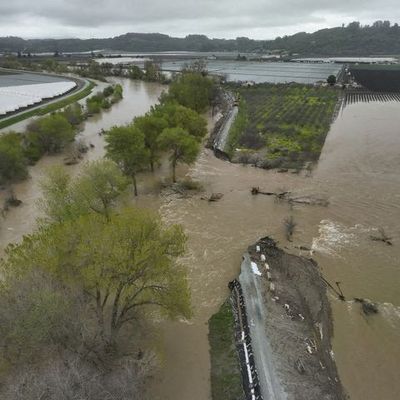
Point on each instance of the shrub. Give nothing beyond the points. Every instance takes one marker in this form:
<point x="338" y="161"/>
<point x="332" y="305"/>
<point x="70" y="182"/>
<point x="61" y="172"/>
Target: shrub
<point x="108" y="91"/>
<point x="50" y="134"/>
<point x="12" y="159"/>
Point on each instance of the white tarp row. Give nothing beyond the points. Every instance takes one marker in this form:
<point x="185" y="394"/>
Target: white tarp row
<point x="13" y="98"/>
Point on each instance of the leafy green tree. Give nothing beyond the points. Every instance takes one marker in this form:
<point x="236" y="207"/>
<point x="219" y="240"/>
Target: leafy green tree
<point x="73" y="114"/>
<point x="135" y="72"/>
<point x="93" y="106"/>
<point x="50" y="134"/>
<point x="118" y="92"/>
<point x="98" y="187"/>
<point x="197" y="66"/>
<point x="122" y="266"/>
<point x="93" y="70"/>
<point x="151" y="126"/>
<point x="152" y="71"/>
<point x="105" y="104"/>
<point x="95" y="190"/>
<point x="183" y="117"/>
<point x="192" y="90"/>
<point x="183" y="148"/>
<point x="126" y="146"/>
<point x="96" y="102"/>
<point x="57" y="203"/>
<point x="108" y="91"/>
<point x="36" y="316"/>
<point x="12" y="159"/>
<point x="331" y="79"/>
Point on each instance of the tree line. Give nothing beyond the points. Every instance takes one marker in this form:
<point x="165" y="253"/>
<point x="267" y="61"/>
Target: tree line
<point x="48" y="135"/>
<point x="92" y="69"/>
<point x="352" y="39"/>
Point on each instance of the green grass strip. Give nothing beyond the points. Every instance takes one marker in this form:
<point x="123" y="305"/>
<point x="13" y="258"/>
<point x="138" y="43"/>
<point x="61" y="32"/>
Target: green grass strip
<point x="50" y="107"/>
<point x="226" y="380"/>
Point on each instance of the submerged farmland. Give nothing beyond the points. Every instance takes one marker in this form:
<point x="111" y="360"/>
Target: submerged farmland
<point x="261" y="72"/>
<point x="281" y="125"/>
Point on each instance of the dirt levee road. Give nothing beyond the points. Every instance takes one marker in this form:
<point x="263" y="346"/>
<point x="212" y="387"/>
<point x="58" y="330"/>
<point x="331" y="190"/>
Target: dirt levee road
<point x="289" y="318"/>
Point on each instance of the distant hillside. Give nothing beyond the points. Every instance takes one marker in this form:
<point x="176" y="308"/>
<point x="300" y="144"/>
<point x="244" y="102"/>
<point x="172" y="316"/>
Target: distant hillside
<point x="354" y="39"/>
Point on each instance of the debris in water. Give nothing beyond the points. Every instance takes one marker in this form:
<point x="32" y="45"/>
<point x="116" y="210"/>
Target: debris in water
<point x="367" y="306"/>
<point x="382" y="237"/>
<point x="299" y="366"/>
<point x="213" y="197"/>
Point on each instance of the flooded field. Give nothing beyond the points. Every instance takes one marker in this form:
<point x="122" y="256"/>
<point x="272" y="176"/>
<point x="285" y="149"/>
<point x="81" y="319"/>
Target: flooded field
<point x="260" y="72"/>
<point x="359" y="172"/>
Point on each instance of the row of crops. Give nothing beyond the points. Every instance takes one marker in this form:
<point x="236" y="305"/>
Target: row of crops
<point x="284" y="124"/>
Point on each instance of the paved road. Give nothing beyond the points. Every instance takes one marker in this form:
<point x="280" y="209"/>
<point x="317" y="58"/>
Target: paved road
<point x="270" y="385"/>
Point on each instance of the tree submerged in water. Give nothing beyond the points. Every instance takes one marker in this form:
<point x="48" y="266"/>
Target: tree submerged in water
<point x="183" y="148"/>
<point x="290" y="226"/>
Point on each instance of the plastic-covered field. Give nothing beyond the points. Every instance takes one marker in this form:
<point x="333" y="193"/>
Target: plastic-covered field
<point x="13" y="98"/>
<point x="260" y="72"/>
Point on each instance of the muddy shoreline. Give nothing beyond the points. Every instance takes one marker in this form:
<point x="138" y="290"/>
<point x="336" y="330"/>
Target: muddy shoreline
<point x="289" y="320"/>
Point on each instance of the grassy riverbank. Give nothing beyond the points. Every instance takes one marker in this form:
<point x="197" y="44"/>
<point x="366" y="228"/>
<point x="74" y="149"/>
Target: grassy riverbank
<point x="226" y="380"/>
<point x="282" y="125"/>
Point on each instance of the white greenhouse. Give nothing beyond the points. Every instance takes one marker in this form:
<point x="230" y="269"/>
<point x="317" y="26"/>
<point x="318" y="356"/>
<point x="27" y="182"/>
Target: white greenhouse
<point x="13" y="98"/>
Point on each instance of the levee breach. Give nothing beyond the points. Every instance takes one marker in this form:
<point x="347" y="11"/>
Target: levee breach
<point x="284" y="327"/>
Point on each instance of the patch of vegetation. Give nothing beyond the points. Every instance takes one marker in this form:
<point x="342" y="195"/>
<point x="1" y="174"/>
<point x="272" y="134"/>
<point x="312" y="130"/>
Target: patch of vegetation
<point x="288" y="122"/>
<point x="193" y="90"/>
<point x="13" y="164"/>
<point x="104" y="100"/>
<point x="190" y="185"/>
<point x="237" y="129"/>
<point x="226" y="381"/>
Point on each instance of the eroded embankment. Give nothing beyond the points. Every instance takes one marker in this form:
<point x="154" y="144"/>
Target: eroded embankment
<point x="227" y="110"/>
<point x="289" y="322"/>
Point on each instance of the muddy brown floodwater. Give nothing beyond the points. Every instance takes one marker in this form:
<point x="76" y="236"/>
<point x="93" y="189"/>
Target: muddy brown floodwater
<point x="138" y="98"/>
<point x="359" y="172"/>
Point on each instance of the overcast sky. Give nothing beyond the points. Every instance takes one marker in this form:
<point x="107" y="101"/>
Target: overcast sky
<point x="258" y="19"/>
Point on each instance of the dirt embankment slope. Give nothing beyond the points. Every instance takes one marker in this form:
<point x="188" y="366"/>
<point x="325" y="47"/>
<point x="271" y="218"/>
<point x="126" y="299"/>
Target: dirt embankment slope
<point x="289" y="317"/>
